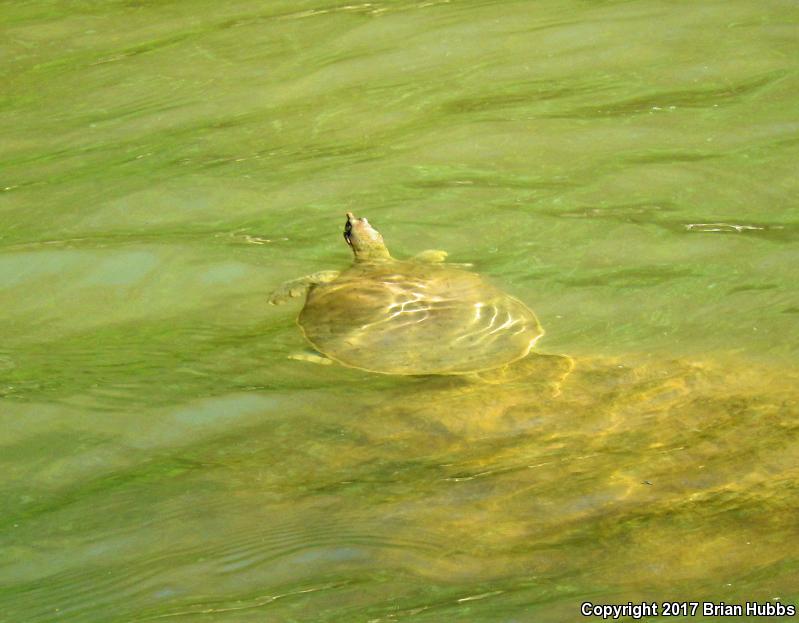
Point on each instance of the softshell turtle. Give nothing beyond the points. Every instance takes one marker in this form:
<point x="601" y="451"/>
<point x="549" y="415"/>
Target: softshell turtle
<point x="409" y="317"/>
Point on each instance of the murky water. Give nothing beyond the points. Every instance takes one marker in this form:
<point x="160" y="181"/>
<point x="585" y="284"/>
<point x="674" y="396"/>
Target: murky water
<point x="628" y="169"/>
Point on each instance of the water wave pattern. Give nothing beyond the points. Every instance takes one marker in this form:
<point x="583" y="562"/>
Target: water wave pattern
<point x="625" y="169"/>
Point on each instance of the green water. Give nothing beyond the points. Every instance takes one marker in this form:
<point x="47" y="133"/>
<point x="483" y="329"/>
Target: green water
<point x="628" y="169"/>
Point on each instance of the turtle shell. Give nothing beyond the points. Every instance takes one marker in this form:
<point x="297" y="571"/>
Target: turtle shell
<point x="396" y="317"/>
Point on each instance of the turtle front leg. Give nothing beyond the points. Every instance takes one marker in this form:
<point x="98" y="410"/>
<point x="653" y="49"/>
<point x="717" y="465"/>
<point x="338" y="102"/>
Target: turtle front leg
<point x="431" y="256"/>
<point x="437" y="256"/>
<point x="298" y="287"/>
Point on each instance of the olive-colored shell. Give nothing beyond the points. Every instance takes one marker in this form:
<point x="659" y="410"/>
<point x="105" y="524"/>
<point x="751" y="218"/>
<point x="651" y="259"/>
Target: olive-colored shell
<point x="405" y="317"/>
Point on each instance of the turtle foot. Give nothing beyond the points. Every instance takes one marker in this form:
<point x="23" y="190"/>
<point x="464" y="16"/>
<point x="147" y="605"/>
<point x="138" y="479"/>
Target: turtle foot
<point x="286" y="292"/>
<point x="298" y="287"/>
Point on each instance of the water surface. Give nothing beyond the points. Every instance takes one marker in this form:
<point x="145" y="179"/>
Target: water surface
<point x="628" y="169"/>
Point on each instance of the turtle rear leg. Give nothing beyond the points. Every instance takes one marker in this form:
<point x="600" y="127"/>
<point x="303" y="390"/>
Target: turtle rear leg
<point x="311" y="357"/>
<point x="298" y="287"/>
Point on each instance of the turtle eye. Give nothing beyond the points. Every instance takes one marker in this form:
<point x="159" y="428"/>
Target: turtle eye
<point x="348" y="233"/>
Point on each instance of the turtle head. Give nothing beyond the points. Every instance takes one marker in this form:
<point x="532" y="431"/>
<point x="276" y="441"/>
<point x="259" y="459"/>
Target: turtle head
<point x="365" y="240"/>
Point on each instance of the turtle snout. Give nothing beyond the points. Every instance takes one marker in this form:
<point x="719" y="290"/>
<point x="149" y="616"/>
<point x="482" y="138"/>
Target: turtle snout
<point x="348" y="231"/>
